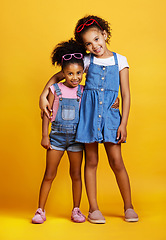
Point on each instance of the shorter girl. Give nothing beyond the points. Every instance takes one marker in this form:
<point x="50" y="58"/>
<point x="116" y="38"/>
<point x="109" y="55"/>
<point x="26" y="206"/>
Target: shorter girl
<point x="64" y="98"/>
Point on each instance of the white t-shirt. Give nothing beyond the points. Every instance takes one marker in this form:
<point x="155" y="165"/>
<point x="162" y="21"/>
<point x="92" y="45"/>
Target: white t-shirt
<point x="122" y="61"/>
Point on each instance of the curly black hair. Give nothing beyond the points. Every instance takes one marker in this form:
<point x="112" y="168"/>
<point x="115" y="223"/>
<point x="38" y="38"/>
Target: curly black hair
<point x="67" y="47"/>
<point x="103" y="25"/>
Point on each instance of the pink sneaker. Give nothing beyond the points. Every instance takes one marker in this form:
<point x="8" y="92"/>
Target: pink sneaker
<point x="96" y="217"/>
<point x="77" y="215"/>
<point x="130" y="215"/>
<point x="39" y="216"/>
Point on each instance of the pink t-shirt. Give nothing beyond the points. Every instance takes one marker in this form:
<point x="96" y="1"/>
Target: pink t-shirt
<point x="66" y="93"/>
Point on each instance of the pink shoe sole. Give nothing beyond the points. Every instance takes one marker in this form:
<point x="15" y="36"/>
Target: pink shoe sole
<point x="38" y="221"/>
<point x="77" y="221"/>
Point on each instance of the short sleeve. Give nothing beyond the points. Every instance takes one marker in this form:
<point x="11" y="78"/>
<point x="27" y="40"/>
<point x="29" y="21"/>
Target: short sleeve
<point x="52" y="89"/>
<point x="82" y="88"/>
<point x="122" y="62"/>
<point x="86" y="62"/>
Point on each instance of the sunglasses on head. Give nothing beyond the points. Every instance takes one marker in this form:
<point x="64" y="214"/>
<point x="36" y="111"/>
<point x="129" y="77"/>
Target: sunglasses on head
<point x="68" y="56"/>
<point x="87" y="23"/>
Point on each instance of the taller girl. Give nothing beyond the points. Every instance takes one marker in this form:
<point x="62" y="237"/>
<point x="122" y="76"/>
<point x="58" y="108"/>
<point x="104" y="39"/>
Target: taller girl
<point x="100" y="122"/>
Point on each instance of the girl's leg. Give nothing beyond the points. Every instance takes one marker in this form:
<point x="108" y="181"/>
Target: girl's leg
<point x="75" y="159"/>
<point x="117" y="165"/>
<point x="52" y="162"/>
<point x="91" y="162"/>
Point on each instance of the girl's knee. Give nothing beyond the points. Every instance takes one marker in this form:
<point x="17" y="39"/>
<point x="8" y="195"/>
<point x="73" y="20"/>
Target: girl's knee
<point x="91" y="162"/>
<point x="117" y="165"/>
<point x="75" y="175"/>
<point x="49" y="177"/>
<point x="91" y="155"/>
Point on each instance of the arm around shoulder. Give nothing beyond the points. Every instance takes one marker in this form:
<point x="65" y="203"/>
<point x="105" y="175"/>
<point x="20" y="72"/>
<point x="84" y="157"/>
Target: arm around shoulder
<point x="43" y="102"/>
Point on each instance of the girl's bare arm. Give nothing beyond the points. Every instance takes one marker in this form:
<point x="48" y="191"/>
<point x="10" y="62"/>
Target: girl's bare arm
<point x="125" y="93"/>
<point x="45" y="142"/>
<point x="43" y="102"/>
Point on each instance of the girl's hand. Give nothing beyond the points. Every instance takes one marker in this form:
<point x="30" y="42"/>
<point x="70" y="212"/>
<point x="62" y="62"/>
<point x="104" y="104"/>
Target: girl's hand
<point x="116" y="103"/>
<point x="45" y="107"/>
<point x="121" y="134"/>
<point x="45" y="142"/>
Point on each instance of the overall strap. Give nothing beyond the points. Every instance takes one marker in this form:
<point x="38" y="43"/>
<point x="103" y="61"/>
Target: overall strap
<point x="57" y="89"/>
<point x="91" y="58"/>
<point x="79" y="93"/>
<point x="115" y="57"/>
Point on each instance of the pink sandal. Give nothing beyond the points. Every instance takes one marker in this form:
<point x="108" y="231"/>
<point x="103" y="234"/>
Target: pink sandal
<point x="39" y="216"/>
<point x="77" y="215"/>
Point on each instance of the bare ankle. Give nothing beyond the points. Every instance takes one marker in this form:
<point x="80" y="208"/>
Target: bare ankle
<point x="93" y="209"/>
<point x="128" y="206"/>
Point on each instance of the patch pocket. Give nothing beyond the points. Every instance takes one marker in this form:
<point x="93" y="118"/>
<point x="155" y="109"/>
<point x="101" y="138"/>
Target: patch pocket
<point x="68" y="112"/>
<point x="113" y="118"/>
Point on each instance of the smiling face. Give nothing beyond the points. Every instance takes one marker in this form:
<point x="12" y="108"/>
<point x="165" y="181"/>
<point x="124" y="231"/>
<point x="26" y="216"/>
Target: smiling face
<point x="73" y="74"/>
<point x="95" y="42"/>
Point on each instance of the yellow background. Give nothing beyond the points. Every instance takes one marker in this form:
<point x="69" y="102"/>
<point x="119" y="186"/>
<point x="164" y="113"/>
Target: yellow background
<point x="29" y="31"/>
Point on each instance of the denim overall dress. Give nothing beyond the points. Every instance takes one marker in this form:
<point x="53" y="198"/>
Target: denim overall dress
<point x="63" y="128"/>
<point x="98" y="121"/>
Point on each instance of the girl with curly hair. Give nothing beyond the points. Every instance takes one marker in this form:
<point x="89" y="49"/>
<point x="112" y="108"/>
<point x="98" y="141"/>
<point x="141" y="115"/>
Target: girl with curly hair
<point x="64" y="99"/>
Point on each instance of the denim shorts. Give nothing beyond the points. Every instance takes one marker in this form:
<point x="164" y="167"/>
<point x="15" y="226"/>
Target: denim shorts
<point x="65" y="141"/>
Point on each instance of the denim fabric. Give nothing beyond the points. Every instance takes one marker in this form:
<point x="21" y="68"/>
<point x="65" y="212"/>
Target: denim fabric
<point x="98" y="121"/>
<point x="62" y="142"/>
<point x="63" y="128"/>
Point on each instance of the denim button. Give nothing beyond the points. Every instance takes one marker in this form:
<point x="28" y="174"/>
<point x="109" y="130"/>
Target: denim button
<point x="99" y="116"/>
<point x="103" y="68"/>
<point x="102" y="78"/>
<point x="101" y="102"/>
<point x="102" y="89"/>
<point x="98" y="129"/>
